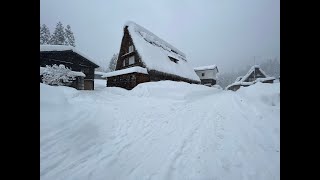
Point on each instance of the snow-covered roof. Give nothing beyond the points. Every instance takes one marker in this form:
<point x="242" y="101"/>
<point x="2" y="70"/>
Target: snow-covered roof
<point x="155" y="52"/>
<point x="238" y="78"/>
<point x="44" y="48"/>
<point x="241" y="80"/>
<point x="251" y="70"/>
<point x="201" y="68"/>
<point x="136" y="69"/>
<point x="252" y="82"/>
<point x="75" y="73"/>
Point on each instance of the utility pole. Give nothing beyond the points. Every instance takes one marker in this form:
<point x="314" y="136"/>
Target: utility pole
<point x="254" y="68"/>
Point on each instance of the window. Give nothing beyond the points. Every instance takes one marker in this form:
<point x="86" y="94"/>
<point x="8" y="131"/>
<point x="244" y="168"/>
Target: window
<point x="124" y="62"/>
<point x="202" y="74"/>
<point x="131" y="60"/>
<point x="130" y="48"/>
<point x="173" y="59"/>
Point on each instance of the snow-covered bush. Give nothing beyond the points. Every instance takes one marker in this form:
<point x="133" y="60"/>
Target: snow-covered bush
<point x="57" y="75"/>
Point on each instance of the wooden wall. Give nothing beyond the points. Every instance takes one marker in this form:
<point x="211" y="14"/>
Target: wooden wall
<point x="127" y="81"/>
<point x="71" y="60"/>
<point x="123" y="53"/>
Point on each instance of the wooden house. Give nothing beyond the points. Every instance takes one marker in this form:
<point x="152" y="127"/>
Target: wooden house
<point x="72" y="59"/>
<point x="207" y="74"/>
<point x="145" y="57"/>
<point x="254" y="75"/>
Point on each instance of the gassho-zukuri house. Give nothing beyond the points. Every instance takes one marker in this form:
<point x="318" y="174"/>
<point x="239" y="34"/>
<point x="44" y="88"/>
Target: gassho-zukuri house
<point x="207" y="74"/>
<point x="254" y="75"/>
<point x="81" y="65"/>
<point x="145" y="57"/>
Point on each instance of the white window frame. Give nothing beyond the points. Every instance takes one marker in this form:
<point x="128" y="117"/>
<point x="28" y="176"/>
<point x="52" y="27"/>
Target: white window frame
<point x="131" y="60"/>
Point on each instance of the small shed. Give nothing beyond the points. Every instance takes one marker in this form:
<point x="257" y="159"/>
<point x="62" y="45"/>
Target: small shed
<point x="207" y="74"/>
<point x="71" y="58"/>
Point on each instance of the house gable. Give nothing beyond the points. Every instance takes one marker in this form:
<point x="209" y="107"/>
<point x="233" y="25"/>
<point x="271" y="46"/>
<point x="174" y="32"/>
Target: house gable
<point x="157" y="55"/>
<point x="257" y="73"/>
<point x="128" y="56"/>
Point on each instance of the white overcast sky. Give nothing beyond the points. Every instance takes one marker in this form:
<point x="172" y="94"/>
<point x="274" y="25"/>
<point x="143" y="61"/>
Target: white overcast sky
<point x="228" y="33"/>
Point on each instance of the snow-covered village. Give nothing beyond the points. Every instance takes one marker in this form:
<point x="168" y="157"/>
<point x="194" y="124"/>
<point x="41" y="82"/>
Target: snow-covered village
<point x="160" y="90"/>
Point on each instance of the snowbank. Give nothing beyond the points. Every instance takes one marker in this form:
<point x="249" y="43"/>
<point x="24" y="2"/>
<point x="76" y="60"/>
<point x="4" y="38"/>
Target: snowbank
<point x="160" y="130"/>
<point x="265" y="93"/>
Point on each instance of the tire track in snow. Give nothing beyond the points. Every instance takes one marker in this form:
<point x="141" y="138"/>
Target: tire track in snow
<point x="188" y="144"/>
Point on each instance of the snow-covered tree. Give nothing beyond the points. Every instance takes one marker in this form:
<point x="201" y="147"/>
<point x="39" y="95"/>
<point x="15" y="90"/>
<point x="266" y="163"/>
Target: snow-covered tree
<point x="58" y="37"/>
<point x="44" y="35"/>
<point x="113" y="62"/>
<point x="271" y="67"/>
<point x="57" y="75"/>
<point x="69" y="39"/>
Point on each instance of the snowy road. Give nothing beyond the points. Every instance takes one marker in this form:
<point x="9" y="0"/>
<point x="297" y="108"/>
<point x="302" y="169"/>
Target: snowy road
<point x="164" y="130"/>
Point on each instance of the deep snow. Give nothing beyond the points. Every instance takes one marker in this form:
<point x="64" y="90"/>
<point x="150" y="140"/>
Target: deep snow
<point x="160" y="130"/>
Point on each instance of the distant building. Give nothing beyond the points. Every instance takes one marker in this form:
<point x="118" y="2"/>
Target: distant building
<point x="73" y="59"/>
<point x="255" y="74"/>
<point x="144" y="57"/>
<point x="98" y="75"/>
<point x="207" y="74"/>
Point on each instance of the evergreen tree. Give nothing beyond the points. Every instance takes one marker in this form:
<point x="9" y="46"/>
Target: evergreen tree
<point x="113" y="62"/>
<point x="69" y="37"/>
<point x="58" y="37"/>
<point x="44" y="35"/>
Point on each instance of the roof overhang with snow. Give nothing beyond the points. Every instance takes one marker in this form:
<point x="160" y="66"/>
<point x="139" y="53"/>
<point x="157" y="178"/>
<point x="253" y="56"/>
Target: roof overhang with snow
<point x="52" y="48"/>
<point x="136" y="69"/>
<point x="202" y="68"/>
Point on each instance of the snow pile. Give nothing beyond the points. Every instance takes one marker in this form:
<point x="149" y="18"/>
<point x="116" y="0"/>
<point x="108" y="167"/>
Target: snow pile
<point x="160" y="130"/>
<point x="44" y="48"/>
<point x="217" y="86"/>
<point x="167" y="89"/>
<point x="264" y="93"/>
<point x="136" y="69"/>
<point x="155" y="53"/>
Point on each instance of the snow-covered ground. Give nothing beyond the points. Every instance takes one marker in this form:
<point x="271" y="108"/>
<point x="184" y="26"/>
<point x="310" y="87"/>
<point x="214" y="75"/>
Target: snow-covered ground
<point x="160" y="130"/>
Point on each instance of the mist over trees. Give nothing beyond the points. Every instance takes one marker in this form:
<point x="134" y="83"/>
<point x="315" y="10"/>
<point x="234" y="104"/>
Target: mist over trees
<point x="271" y="67"/>
<point x="108" y="65"/>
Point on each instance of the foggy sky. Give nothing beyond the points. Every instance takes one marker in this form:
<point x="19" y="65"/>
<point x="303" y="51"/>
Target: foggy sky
<point x="228" y="33"/>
